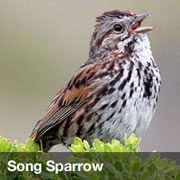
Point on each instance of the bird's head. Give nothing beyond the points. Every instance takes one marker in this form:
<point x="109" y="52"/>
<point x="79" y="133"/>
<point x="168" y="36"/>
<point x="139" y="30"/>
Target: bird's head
<point x="115" y="30"/>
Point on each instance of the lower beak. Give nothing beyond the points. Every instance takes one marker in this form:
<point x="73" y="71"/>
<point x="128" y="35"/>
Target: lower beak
<point x="136" y="23"/>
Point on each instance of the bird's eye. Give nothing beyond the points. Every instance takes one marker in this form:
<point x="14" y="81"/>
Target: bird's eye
<point x="118" y="27"/>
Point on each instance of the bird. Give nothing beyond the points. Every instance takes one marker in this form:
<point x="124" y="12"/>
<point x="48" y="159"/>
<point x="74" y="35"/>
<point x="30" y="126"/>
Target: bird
<point x="115" y="92"/>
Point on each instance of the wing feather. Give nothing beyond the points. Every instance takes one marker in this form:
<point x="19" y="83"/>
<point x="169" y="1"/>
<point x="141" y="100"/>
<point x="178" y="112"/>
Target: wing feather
<point x="67" y="101"/>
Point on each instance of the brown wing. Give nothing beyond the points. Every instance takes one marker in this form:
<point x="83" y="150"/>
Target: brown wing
<point x="68" y="100"/>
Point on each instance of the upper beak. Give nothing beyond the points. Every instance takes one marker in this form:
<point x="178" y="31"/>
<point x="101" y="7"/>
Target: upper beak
<point x="136" y="23"/>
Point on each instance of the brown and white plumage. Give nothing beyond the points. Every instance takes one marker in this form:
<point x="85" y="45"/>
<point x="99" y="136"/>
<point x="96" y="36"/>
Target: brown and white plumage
<point x="69" y="100"/>
<point x="113" y="93"/>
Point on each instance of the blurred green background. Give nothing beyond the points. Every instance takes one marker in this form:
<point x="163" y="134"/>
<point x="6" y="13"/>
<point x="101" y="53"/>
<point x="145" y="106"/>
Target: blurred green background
<point x="43" y="42"/>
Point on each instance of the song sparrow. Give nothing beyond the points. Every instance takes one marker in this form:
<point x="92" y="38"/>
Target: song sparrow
<point x="113" y="93"/>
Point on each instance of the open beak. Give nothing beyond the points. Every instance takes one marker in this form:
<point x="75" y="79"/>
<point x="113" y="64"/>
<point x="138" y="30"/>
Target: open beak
<point x="136" y="23"/>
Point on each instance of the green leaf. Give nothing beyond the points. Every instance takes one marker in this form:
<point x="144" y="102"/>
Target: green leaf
<point x="31" y="146"/>
<point x="178" y="175"/>
<point x="78" y="141"/>
<point x="86" y="145"/>
<point x="5" y="145"/>
<point x="97" y="145"/>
